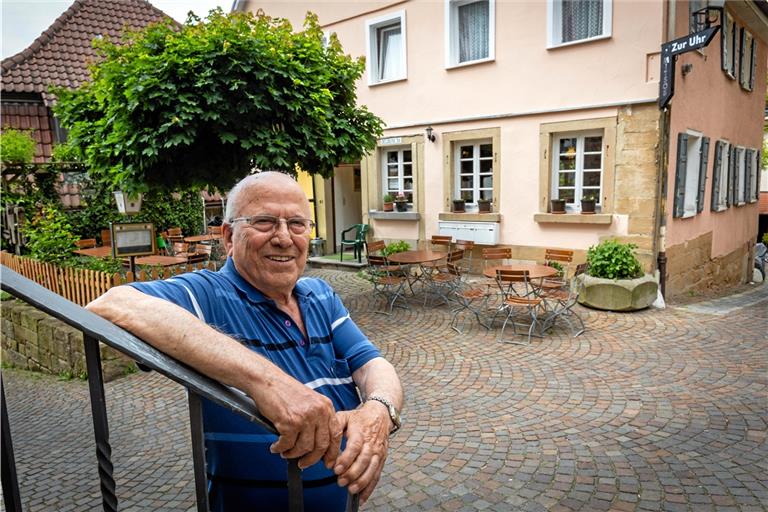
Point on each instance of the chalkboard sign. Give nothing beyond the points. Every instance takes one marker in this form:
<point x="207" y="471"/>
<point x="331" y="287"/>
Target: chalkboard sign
<point x="133" y="239"/>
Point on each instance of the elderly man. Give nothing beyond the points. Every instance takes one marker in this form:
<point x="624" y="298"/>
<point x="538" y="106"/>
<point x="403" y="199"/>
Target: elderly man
<point x="287" y="342"/>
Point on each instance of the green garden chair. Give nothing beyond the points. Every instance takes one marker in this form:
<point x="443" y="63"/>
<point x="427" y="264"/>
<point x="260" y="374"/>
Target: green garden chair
<point x="357" y="243"/>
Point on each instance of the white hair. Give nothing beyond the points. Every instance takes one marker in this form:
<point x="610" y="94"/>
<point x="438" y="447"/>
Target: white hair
<point x="233" y="196"/>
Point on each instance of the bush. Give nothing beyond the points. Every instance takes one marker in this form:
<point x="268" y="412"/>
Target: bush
<point x="17" y="147"/>
<point x="50" y="237"/>
<point x="399" y="246"/>
<point x="613" y="260"/>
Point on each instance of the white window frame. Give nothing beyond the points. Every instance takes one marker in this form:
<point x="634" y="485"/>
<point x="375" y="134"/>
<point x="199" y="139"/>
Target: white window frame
<point x="741" y="176"/>
<point x="476" y="174"/>
<point x="555" y="24"/>
<point x="400" y="170"/>
<point x="578" y="188"/>
<point x="452" y="33"/>
<point x="722" y="193"/>
<point x="728" y="46"/>
<point x="747" y="59"/>
<point x="754" y="173"/>
<point x="373" y="60"/>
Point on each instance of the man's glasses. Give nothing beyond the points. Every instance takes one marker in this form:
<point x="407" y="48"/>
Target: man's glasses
<point x="270" y="223"/>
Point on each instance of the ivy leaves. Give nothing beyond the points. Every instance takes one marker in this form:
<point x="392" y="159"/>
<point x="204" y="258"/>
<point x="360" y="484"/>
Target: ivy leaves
<point x="205" y="104"/>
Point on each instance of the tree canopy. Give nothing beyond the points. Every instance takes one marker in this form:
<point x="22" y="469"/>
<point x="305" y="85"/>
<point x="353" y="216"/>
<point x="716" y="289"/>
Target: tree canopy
<point x="204" y="104"/>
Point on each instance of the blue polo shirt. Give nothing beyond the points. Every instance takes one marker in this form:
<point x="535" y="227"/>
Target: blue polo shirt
<point x="243" y="474"/>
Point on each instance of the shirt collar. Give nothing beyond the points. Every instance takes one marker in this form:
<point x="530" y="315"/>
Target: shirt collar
<point x="301" y="290"/>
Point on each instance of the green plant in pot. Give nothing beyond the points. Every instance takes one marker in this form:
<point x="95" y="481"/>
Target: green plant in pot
<point x="389" y="202"/>
<point x="393" y="247"/>
<point x="458" y="205"/>
<point x="401" y="202"/>
<point x="483" y="205"/>
<point x="614" y="279"/>
<point x="588" y="203"/>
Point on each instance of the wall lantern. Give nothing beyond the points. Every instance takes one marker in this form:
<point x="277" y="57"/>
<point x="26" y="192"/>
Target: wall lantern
<point x="430" y="135"/>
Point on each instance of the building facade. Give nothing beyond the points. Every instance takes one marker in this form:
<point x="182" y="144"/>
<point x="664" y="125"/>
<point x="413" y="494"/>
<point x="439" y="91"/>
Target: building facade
<point x="521" y="103"/>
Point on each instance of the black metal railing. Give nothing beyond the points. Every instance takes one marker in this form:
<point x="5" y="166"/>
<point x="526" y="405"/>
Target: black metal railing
<point x="96" y="329"/>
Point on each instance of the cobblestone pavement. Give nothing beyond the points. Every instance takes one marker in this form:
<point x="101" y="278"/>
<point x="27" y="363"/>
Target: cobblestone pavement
<point x="653" y="410"/>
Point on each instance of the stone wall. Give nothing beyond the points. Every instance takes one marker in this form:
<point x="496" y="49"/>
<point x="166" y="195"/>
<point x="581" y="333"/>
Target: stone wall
<point x="33" y="340"/>
<point x="691" y="268"/>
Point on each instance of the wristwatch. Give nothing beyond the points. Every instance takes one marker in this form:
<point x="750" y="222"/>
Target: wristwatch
<point x="394" y="415"/>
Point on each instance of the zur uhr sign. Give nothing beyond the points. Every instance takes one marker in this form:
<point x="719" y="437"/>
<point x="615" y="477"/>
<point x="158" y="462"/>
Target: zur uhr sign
<point x="670" y="50"/>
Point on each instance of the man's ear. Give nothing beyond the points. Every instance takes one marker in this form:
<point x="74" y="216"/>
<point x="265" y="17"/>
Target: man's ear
<point x="226" y="232"/>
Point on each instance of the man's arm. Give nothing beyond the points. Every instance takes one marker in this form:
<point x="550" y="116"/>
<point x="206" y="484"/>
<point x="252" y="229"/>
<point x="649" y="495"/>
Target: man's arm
<point x="304" y="418"/>
<point x="367" y="428"/>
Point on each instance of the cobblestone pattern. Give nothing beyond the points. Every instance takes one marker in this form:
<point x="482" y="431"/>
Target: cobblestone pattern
<point x="653" y="410"/>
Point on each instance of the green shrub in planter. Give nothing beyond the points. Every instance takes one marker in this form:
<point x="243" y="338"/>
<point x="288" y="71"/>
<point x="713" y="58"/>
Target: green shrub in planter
<point x="399" y="246"/>
<point x="613" y="260"/>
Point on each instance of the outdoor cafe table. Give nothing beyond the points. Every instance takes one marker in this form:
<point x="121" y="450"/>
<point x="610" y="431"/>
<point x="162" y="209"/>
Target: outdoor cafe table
<point x="535" y="271"/>
<point x="104" y="251"/>
<point x="202" y="238"/>
<point x="416" y="257"/>
<point x="160" y="261"/>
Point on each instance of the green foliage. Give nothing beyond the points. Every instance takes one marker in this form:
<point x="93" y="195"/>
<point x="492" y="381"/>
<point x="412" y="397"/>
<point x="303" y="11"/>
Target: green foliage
<point x="108" y="265"/>
<point x="613" y="260"/>
<point x="765" y="238"/>
<point x="66" y="152"/>
<point x="16" y="146"/>
<point x="66" y="375"/>
<point x="392" y="248"/>
<point x="557" y="266"/>
<point x="50" y="237"/>
<point x="388" y="198"/>
<point x="206" y="103"/>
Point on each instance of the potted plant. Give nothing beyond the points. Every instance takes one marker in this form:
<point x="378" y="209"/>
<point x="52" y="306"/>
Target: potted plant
<point x="401" y="202"/>
<point x="557" y="206"/>
<point x="614" y="279"/>
<point x="483" y="205"/>
<point x="588" y="204"/>
<point x="392" y="248"/>
<point x="388" y="202"/>
<point x="458" y="205"/>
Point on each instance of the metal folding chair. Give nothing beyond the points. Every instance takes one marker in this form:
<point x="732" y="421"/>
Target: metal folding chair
<point x="523" y="303"/>
<point x="560" y="304"/>
<point x="386" y="283"/>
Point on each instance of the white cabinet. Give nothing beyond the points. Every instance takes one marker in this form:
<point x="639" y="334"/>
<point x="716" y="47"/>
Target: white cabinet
<point x="485" y="233"/>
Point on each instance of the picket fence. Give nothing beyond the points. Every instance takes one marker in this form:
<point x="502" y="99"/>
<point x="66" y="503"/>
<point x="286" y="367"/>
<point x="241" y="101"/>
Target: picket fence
<point x="81" y="286"/>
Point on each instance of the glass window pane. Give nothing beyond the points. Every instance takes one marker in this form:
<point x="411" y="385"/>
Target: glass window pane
<point x="466" y="151"/>
<point x="473" y="31"/>
<point x="486" y="194"/>
<point x="466" y="182"/>
<point x="592" y="161"/>
<point x="467" y="195"/>
<point x="567" y="163"/>
<point x="593" y="143"/>
<point x="407" y="170"/>
<point x="567" y="194"/>
<point x="391" y="157"/>
<point x="467" y="167"/>
<point x="581" y="20"/>
<point x="486" y="166"/>
<point x="591" y="179"/>
<point x="486" y="182"/>
<point x="409" y="196"/>
<point x="408" y="184"/>
<point x="591" y="192"/>
<point x="392" y="184"/>
<point x="568" y="146"/>
<point x="486" y="150"/>
<point x="390" y="47"/>
<point x="567" y="179"/>
<point x="391" y="170"/>
<point x="407" y="155"/>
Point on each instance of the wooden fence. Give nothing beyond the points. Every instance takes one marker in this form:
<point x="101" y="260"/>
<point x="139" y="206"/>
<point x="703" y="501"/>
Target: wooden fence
<point x="81" y="286"/>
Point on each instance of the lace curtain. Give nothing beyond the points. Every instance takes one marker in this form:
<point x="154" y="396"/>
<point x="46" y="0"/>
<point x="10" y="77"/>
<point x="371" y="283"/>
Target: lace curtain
<point x="390" y="50"/>
<point x="582" y="19"/>
<point x="473" y="31"/>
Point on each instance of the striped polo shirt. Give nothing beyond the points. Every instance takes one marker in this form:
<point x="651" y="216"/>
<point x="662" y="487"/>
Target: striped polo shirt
<point x="242" y="472"/>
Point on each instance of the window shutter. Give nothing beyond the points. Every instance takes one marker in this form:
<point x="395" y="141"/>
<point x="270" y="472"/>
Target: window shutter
<point x="753" y="60"/>
<point x="734" y="177"/>
<point x="724" y="46"/>
<point x="748" y="175"/>
<point x="758" y="165"/>
<point x="682" y="159"/>
<point x="716" y="176"/>
<point x="703" y="160"/>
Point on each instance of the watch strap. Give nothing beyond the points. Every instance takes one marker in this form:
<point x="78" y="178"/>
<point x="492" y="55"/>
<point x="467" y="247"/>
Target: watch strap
<point x="394" y="414"/>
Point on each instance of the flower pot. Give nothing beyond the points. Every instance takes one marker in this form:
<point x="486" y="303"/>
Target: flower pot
<point x="402" y="206"/>
<point x="389" y="206"/>
<point x="458" y="205"/>
<point x="483" y="206"/>
<point x="587" y="206"/>
<point x="617" y="294"/>
<point x="557" y="205"/>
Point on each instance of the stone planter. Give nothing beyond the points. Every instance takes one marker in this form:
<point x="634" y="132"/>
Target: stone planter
<point x="617" y="294"/>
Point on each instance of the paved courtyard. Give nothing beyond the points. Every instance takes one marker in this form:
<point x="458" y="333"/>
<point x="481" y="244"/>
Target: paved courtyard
<point x="655" y="410"/>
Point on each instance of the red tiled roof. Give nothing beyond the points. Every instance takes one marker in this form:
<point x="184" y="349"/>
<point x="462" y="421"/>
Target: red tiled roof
<point x="60" y="56"/>
<point x="25" y="116"/>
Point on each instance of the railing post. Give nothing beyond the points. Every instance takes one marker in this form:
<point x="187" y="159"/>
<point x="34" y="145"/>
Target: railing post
<point x="100" y="425"/>
<point x="11" y="496"/>
<point x="295" y="487"/>
<point x="198" y="450"/>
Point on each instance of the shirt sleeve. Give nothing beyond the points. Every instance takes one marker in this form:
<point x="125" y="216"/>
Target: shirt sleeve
<point x="349" y="342"/>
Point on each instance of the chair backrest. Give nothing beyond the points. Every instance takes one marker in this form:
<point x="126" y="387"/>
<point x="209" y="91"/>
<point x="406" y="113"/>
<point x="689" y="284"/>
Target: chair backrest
<point x="86" y="243"/>
<point x="180" y="247"/>
<point x="507" y="278"/>
<point x="455" y="255"/>
<point x="362" y="232"/>
<point x="203" y="249"/>
<point x="174" y="235"/>
<point x="214" y="230"/>
<point x="496" y="253"/>
<point x="106" y="237"/>
<point x="375" y="246"/>
<point x="377" y="264"/>
<point x="560" y="255"/>
<point x="441" y="241"/>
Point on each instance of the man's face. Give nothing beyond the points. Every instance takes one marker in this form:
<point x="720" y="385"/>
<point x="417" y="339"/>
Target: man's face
<point x="271" y="261"/>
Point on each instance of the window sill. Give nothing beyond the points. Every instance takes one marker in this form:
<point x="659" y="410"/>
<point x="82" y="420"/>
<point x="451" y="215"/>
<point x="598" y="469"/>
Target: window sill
<point x="555" y="46"/>
<point x="573" y="218"/>
<point x="389" y="81"/>
<point x="470" y="217"/>
<point x="394" y="215"/>
<point x="455" y="65"/>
